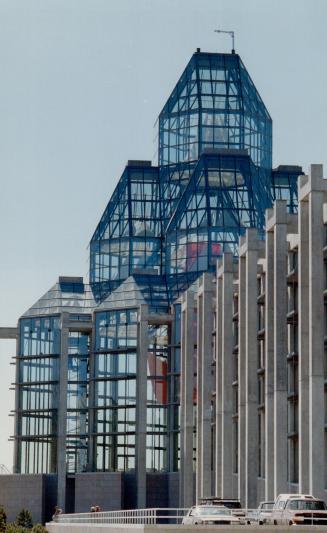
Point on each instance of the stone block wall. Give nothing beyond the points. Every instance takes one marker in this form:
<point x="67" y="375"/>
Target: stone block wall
<point x="99" y="488"/>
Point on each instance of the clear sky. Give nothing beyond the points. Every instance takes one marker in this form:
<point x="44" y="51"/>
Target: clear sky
<point x="82" y="83"/>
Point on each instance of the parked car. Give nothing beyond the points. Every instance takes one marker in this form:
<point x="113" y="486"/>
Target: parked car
<point x="230" y="503"/>
<point x="210" y="515"/>
<point x="299" y="509"/>
<point x="261" y="515"/>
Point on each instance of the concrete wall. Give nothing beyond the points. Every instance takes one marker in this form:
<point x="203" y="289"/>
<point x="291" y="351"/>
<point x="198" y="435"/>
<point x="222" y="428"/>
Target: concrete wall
<point x="173" y="489"/>
<point x="130" y="490"/>
<point x="109" y="490"/>
<point x="156" y="490"/>
<point x="49" y="496"/>
<point x="29" y="491"/>
<point x="99" y="488"/>
<point x="81" y="528"/>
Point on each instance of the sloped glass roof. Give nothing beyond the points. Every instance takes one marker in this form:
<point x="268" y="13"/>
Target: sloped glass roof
<point x="126" y="295"/>
<point x="135" y="291"/>
<point x="65" y="295"/>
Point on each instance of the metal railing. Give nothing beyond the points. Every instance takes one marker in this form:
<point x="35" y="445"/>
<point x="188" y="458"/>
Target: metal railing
<point x="132" y="516"/>
<point x="167" y="515"/>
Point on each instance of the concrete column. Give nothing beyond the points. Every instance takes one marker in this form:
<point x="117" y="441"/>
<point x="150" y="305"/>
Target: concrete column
<point x="141" y="405"/>
<point x="204" y="380"/>
<point x="280" y="348"/>
<point x="62" y="413"/>
<point x="251" y="378"/>
<point x="312" y="196"/>
<point x="198" y="477"/>
<point x="316" y="338"/>
<point x="269" y="361"/>
<point x="187" y="387"/>
<point x="241" y="376"/>
<point x="218" y="383"/>
<point x="304" y="423"/>
<point x="227" y="378"/>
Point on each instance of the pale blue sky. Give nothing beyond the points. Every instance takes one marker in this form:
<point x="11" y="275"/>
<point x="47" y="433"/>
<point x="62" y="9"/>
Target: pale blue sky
<point x="82" y="83"/>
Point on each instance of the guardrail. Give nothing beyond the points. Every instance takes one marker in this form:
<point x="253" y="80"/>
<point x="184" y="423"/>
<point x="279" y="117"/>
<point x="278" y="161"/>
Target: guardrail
<point x="132" y="516"/>
<point x="156" y="516"/>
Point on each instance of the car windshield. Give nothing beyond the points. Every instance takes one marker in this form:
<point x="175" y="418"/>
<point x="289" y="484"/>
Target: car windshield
<point x="267" y="506"/>
<point x="232" y="505"/>
<point x="307" y="505"/>
<point x="210" y="510"/>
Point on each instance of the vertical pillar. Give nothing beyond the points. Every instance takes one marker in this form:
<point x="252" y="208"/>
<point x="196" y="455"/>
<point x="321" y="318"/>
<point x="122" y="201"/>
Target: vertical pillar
<point x="227" y="378"/>
<point x="141" y="405"/>
<point x="62" y="413"/>
<point x="303" y="265"/>
<point x="218" y="383"/>
<point x="198" y="477"/>
<point x="187" y="387"/>
<point x="247" y="369"/>
<point x="204" y="380"/>
<point x="251" y="365"/>
<point x="91" y="410"/>
<point x="316" y="333"/>
<point x="280" y="348"/>
<point x="241" y="376"/>
<point x="312" y="194"/>
<point x="269" y="361"/>
<point x="18" y="393"/>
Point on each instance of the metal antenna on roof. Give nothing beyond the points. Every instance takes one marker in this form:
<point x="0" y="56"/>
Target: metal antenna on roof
<point x="232" y="34"/>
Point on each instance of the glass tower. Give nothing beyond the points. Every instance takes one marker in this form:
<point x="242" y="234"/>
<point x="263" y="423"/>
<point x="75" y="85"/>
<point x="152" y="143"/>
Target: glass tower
<point x="214" y="105"/>
<point x="166" y="225"/>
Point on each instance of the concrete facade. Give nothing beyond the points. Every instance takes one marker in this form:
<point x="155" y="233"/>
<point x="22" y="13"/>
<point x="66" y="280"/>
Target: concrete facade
<point x="37" y="493"/>
<point x="105" y="489"/>
<point x="268" y="403"/>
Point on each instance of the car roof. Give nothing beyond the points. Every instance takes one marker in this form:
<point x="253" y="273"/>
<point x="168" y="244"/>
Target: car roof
<point x="209" y="505"/>
<point x="216" y="498"/>
<point x="297" y="496"/>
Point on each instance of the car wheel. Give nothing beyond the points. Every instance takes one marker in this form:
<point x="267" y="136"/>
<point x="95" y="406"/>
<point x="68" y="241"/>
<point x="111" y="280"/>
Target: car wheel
<point x="260" y="523"/>
<point x="275" y="523"/>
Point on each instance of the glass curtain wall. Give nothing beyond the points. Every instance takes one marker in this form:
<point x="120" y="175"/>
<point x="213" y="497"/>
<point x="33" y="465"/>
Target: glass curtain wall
<point x="77" y="401"/>
<point x="127" y="239"/>
<point x="115" y="389"/>
<point x="225" y="195"/>
<point x="284" y="185"/>
<point x="157" y="400"/>
<point x="39" y="352"/>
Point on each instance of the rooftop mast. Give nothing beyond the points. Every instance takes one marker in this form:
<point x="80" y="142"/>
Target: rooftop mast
<point x="232" y="34"/>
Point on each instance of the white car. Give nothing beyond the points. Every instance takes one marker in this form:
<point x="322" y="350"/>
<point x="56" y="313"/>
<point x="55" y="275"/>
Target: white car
<point x="210" y="515"/>
<point x="261" y="515"/>
<point x="299" y="509"/>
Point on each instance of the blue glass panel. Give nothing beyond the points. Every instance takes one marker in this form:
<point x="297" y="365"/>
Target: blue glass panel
<point x="115" y="394"/>
<point x="284" y="185"/>
<point x="225" y="194"/>
<point x="39" y="336"/>
<point x="128" y="238"/>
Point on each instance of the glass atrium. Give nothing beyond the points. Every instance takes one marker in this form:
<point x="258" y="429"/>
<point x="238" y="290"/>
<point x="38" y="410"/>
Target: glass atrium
<point x="78" y="358"/>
